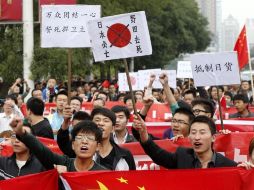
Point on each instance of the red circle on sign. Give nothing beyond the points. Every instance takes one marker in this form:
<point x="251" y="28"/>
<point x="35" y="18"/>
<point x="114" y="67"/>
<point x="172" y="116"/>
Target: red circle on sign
<point x="119" y="35"/>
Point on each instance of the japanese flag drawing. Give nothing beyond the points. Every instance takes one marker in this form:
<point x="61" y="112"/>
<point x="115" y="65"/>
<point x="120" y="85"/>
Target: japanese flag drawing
<point x="120" y="36"/>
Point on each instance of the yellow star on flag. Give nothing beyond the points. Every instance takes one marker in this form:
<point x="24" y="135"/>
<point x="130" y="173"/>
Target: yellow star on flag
<point x="141" y="188"/>
<point x="122" y="180"/>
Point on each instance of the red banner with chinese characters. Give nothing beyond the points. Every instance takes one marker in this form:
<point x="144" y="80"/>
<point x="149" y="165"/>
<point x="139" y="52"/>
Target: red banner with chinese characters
<point x="208" y="179"/>
<point x="46" y="180"/>
<point x="57" y="2"/>
<point x="11" y="10"/>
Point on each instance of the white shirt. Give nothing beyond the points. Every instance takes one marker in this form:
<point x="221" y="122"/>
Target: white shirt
<point x="5" y="121"/>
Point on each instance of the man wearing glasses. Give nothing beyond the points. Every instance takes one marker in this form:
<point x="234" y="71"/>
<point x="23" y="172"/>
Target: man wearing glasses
<point x="86" y="137"/>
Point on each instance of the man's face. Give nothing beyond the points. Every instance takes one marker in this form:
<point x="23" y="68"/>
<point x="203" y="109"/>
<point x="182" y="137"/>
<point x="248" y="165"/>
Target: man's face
<point x="61" y="101"/>
<point x="245" y="86"/>
<point x="84" y="145"/>
<point x="51" y="83"/>
<point x="156" y="95"/>
<point x="18" y="146"/>
<point x="75" y="105"/>
<point x="188" y="98"/>
<point x="102" y="96"/>
<point x="200" y="110"/>
<point x="8" y="106"/>
<point x="121" y="122"/>
<point x="240" y="105"/>
<point x="112" y="89"/>
<point x="98" y="103"/>
<point x="176" y="94"/>
<point x="139" y="97"/>
<point x="129" y="104"/>
<point x="201" y="138"/>
<point x="105" y="124"/>
<point x="180" y="124"/>
<point x="37" y="94"/>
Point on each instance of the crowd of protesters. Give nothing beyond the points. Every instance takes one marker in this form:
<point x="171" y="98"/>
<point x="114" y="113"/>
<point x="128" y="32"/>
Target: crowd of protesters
<point x="91" y="141"/>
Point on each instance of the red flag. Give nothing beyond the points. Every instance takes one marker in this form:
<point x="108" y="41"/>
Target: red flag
<point x="45" y="180"/>
<point x="11" y="10"/>
<point x="57" y="2"/>
<point x="242" y="48"/>
<point x="164" y="179"/>
<point x="51" y="144"/>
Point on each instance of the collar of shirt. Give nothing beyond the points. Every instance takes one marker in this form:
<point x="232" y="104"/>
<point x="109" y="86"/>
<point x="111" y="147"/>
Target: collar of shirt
<point x="211" y="164"/>
<point x="3" y="115"/>
<point x="116" y="140"/>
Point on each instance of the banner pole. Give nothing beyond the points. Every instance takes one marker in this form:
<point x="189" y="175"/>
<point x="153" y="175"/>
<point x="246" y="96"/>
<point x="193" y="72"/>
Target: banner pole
<point x="130" y="87"/>
<point x="69" y="74"/>
<point x="221" y="119"/>
<point x="250" y="67"/>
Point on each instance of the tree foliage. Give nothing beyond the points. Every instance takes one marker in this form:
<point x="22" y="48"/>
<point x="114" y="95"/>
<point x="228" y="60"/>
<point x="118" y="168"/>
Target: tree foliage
<point x="175" y="27"/>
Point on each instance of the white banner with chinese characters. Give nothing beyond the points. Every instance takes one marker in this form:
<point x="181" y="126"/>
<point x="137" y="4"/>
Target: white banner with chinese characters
<point x="120" y="36"/>
<point x="66" y="25"/>
<point x="123" y="83"/>
<point x="184" y="69"/>
<point x="214" y="69"/>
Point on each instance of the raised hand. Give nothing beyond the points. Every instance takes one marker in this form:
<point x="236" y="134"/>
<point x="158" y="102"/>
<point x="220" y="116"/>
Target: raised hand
<point x="163" y="79"/>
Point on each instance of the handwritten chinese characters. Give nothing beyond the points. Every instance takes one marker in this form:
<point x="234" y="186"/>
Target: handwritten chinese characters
<point x="120" y="36"/>
<point x="215" y="69"/>
<point x="65" y="25"/>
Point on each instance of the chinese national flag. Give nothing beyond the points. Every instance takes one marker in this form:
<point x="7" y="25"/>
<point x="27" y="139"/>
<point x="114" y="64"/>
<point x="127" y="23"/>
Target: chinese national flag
<point x="11" y="10"/>
<point x="57" y="2"/>
<point x="236" y="178"/>
<point x="242" y="49"/>
<point x="41" y="181"/>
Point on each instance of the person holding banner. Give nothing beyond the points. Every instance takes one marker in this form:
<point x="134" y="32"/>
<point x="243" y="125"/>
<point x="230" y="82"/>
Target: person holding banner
<point x="201" y="155"/>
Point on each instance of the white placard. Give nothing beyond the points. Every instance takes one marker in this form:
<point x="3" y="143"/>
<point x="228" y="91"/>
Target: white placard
<point x="120" y="36"/>
<point x="144" y="76"/>
<point x="123" y="83"/>
<point x="184" y="69"/>
<point x="214" y="69"/>
<point x="66" y="25"/>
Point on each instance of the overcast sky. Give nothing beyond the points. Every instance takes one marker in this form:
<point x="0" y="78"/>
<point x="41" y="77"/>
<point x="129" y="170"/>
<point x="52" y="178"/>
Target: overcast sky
<point x="240" y="9"/>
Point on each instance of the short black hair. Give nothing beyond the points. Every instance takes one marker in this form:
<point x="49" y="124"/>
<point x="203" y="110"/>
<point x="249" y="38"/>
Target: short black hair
<point x="87" y="127"/>
<point x="118" y="108"/>
<point x="186" y="111"/>
<point x="207" y="104"/>
<point x="62" y="92"/>
<point x="35" y="105"/>
<point x="128" y="97"/>
<point x="206" y="120"/>
<point x="190" y="91"/>
<point x="81" y="115"/>
<point x="77" y="98"/>
<point x="35" y="90"/>
<point x="242" y="97"/>
<point x="12" y="97"/>
<point x="105" y="112"/>
<point x="120" y="95"/>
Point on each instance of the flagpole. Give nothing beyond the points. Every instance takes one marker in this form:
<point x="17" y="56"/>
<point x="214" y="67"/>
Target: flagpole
<point x="250" y="67"/>
<point x="220" y="110"/>
<point x="130" y="87"/>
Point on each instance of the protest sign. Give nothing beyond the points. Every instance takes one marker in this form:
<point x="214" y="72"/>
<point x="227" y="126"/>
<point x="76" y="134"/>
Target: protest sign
<point x="120" y="36"/>
<point x="65" y="25"/>
<point x="214" y="69"/>
<point x="184" y="69"/>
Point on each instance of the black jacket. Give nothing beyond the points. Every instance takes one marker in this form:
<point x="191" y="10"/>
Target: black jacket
<point x="10" y="169"/>
<point x="183" y="158"/>
<point x="120" y="153"/>
<point x="43" y="129"/>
